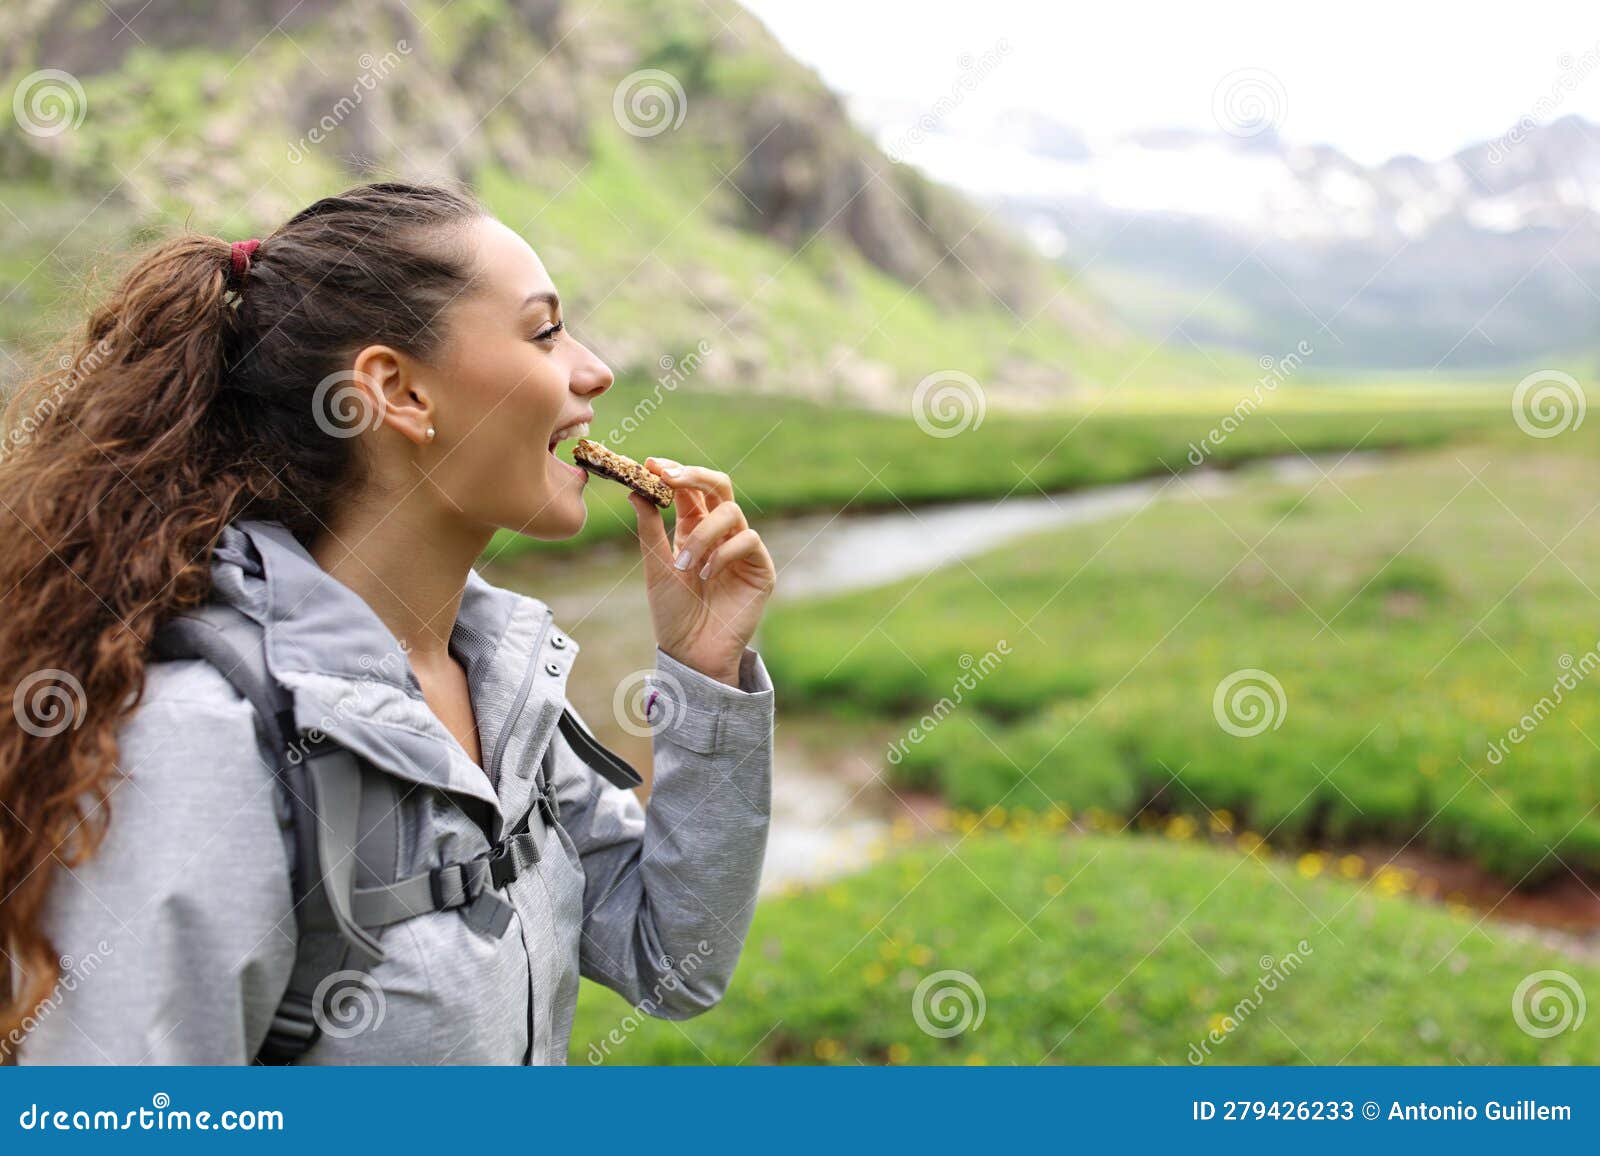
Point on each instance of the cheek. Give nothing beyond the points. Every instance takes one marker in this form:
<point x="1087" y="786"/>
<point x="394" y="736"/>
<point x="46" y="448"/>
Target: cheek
<point x="511" y="393"/>
<point x="532" y="390"/>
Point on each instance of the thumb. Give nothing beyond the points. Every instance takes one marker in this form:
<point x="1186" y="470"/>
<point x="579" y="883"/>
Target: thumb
<point x="653" y="544"/>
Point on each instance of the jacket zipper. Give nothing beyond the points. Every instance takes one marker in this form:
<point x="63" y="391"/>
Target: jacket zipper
<point x="518" y="703"/>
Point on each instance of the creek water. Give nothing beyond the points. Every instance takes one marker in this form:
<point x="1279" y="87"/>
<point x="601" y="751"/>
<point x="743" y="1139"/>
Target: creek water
<point x="831" y="806"/>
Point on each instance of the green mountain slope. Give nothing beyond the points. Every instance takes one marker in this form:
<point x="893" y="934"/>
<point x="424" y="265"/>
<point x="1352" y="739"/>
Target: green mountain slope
<point x="719" y="208"/>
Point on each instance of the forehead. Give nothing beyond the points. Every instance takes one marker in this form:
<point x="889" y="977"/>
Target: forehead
<point x="508" y="269"/>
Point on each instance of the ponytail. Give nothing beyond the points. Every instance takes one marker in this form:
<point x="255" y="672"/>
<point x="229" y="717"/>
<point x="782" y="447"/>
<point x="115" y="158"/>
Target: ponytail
<point x="191" y="400"/>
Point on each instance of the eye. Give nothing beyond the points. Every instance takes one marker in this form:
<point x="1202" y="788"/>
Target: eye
<point x="550" y="332"/>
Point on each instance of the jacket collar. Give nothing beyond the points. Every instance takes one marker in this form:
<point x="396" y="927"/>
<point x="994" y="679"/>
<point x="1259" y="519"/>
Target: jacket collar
<point x="351" y="680"/>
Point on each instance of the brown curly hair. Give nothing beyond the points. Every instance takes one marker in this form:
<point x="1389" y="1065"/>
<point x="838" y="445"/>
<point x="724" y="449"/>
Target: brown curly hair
<point x="192" y="399"/>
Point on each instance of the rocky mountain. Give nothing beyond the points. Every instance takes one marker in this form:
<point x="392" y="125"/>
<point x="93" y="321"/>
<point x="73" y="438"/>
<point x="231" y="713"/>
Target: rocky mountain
<point x="1488" y="257"/>
<point x="685" y="180"/>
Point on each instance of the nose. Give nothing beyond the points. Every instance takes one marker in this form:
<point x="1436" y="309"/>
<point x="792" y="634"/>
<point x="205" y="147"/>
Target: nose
<point x="592" y="376"/>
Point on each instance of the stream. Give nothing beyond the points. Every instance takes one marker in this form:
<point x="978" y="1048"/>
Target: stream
<point x="831" y="809"/>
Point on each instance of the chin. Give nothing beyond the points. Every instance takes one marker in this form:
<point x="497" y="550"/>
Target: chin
<point x="562" y="520"/>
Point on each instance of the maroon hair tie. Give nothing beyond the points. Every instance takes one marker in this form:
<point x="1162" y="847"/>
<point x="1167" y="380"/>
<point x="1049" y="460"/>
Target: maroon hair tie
<point x="242" y="252"/>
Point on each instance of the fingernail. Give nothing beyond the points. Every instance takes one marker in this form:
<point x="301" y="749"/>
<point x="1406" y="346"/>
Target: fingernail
<point x="684" y="558"/>
<point x="705" y="571"/>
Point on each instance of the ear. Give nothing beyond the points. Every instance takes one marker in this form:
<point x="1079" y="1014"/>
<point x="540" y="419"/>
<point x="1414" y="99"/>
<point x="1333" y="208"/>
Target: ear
<point x="395" y="391"/>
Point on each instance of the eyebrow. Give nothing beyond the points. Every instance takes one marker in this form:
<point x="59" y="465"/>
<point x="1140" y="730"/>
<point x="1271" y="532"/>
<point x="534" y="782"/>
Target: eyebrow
<point x="551" y="299"/>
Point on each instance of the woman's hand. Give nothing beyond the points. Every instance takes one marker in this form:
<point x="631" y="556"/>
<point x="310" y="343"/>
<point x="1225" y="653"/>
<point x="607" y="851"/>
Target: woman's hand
<point x="707" y="589"/>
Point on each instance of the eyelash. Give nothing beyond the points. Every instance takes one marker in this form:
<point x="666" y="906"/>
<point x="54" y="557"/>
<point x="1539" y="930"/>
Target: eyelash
<point x="550" y="333"/>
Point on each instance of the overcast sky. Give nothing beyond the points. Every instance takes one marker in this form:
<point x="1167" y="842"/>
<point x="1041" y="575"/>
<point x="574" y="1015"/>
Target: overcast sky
<point x="1373" y="78"/>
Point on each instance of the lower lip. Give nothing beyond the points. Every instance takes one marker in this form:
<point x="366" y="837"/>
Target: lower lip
<point x="579" y="470"/>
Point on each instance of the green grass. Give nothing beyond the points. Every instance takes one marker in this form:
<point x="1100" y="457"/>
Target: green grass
<point x="1412" y="615"/>
<point x="652" y="245"/>
<point x="1105" y="950"/>
<point x="789" y="455"/>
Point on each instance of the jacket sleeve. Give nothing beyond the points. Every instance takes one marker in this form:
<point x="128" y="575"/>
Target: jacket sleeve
<point x="669" y="891"/>
<point x="177" y="936"/>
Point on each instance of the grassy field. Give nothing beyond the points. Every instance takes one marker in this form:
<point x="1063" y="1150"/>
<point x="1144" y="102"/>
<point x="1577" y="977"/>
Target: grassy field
<point x="794" y="455"/>
<point x="1406" y="617"/>
<point x="1109" y="950"/>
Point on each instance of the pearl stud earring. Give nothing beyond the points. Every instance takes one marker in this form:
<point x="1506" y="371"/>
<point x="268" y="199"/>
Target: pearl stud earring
<point x="430" y="433"/>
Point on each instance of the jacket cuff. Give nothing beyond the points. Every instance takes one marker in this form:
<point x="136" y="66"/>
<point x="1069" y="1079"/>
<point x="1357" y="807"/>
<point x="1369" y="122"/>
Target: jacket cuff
<point x="701" y="714"/>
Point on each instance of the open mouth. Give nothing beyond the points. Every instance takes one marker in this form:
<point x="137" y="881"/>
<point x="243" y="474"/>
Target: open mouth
<point x="578" y="429"/>
<point x="567" y="433"/>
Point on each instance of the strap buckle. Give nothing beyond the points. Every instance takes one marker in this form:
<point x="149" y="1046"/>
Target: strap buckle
<point x="502" y="862"/>
<point x="463" y="887"/>
<point x="293" y="1030"/>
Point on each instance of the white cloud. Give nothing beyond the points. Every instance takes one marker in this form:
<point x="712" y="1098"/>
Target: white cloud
<point x="1373" y="78"/>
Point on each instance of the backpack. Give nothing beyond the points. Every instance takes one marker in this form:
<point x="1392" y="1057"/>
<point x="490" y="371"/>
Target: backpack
<point x="343" y="816"/>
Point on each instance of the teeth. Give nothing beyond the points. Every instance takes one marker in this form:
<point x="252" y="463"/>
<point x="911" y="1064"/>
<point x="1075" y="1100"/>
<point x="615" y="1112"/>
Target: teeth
<point x="579" y="430"/>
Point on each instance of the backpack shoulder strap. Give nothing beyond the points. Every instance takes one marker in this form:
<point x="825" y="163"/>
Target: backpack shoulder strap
<point x="322" y="786"/>
<point x="344" y="817"/>
<point x="234" y="643"/>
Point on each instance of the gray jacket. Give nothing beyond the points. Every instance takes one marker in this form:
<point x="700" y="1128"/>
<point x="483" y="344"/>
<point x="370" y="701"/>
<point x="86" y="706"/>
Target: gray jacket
<point x="178" y="935"/>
